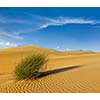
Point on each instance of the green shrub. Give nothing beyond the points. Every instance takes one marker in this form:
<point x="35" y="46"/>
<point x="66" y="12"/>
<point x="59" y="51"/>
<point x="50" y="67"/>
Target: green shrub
<point x="30" y="66"/>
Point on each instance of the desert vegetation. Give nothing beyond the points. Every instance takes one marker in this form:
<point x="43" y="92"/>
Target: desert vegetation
<point x="30" y="66"/>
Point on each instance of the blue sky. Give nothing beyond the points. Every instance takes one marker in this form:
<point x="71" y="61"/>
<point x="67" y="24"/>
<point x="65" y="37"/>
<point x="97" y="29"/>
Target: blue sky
<point x="55" y="28"/>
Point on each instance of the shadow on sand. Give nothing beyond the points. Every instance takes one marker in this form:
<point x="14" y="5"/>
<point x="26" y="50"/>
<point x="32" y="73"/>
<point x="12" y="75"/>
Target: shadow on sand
<point x="55" y="71"/>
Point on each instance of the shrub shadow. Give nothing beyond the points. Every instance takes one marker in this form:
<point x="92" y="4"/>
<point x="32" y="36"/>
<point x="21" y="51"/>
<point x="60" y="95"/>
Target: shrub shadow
<point x="55" y="71"/>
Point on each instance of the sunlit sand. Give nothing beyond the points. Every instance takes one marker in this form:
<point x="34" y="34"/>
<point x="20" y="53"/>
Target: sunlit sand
<point x="72" y="71"/>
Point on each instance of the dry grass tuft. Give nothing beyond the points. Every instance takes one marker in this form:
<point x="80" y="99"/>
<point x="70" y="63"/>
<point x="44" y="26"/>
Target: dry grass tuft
<point x="30" y="66"/>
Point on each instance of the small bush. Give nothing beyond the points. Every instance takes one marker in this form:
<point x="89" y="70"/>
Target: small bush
<point x="30" y="66"/>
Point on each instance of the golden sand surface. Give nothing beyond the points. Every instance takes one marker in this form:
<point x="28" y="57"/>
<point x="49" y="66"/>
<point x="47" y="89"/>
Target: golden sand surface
<point x="69" y="72"/>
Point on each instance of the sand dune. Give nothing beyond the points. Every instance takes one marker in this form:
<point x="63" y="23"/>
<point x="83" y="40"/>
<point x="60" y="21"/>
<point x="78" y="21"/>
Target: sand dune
<point x="73" y="71"/>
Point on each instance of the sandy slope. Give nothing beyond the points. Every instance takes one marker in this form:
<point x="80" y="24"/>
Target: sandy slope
<point x="74" y="71"/>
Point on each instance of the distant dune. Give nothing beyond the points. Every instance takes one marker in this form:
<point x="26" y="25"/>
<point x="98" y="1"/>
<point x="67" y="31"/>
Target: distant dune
<point x="71" y="71"/>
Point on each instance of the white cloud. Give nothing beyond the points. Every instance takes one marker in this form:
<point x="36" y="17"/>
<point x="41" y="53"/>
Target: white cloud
<point x="59" y="21"/>
<point x="59" y="48"/>
<point x="37" y="23"/>
<point x="7" y="39"/>
<point x="13" y="35"/>
<point x="5" y="44"/>
<point x="41" y="22"/>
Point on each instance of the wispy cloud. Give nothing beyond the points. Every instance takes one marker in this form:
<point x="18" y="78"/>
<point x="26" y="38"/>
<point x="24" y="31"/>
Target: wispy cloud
<point x="7" y="20"/>
<point x="60" y="21"/>
<point x="41" y="22"/>
<point x="10" y="35"/>
<point x="36" y="23"/>
<point x="7" y="39"/>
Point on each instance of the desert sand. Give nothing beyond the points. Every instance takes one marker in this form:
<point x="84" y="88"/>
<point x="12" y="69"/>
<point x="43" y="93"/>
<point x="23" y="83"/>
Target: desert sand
<point x="69" y="72"/>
